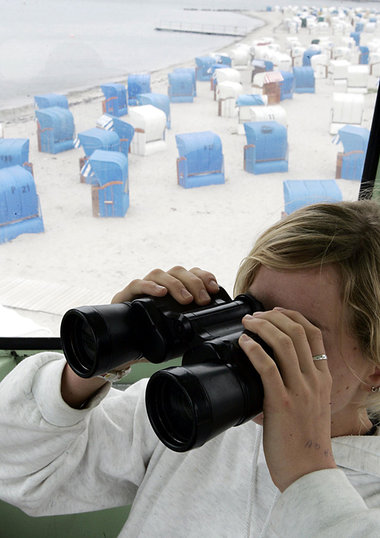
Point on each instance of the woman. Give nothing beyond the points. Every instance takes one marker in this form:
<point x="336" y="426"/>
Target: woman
<point x="317" y="274"/>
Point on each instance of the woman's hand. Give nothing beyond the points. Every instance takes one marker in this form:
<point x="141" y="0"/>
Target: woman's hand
<point x="184" y="286"/>
<point x="296" y="414"/>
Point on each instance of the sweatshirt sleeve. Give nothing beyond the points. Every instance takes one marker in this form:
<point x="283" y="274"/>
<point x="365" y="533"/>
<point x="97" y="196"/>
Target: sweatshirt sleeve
<point x="323" y="504"/>
<point x="55" y="459"/>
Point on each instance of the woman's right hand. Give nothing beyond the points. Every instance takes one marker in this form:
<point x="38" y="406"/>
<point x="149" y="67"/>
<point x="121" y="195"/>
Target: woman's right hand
<point x="183" y="285"/>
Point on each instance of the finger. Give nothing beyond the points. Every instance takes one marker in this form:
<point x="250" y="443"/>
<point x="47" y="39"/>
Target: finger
<point x="139" y="287"/>
<point x="314" y="337"/>
<point x="285" y="354"/>
<point x="194" y="282"/>
<point x="209" y="280"/>
<point x="264" y="365"/>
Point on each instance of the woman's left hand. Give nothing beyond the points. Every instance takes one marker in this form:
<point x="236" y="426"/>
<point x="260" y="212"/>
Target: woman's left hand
<point x="296" y="413"/>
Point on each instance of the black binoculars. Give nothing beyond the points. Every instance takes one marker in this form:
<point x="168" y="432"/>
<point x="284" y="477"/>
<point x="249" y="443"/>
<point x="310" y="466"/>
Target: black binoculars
<point x="216" y="386"/>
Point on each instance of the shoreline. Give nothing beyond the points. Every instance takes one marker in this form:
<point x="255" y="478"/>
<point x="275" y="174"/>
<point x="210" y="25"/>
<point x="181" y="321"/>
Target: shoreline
<point x="87" y="94"/>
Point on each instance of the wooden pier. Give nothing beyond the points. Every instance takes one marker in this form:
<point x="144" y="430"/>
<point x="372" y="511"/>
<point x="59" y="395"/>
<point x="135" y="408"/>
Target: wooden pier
<point x="207" y="29"/>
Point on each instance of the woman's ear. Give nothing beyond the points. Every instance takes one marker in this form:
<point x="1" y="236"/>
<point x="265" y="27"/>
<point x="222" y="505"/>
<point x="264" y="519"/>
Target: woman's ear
<point x="374" y="378"/>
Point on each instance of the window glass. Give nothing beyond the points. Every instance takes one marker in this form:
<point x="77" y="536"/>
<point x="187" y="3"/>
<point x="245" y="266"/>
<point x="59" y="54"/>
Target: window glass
<point x="124" y="78"/>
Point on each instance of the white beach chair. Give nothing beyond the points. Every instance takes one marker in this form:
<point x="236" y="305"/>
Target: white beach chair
<point x="374" y="62"/>
<point x="297" y="55"/>
<point x="226" y="94"/>
<point x="358" y="78"/>
<point x="337" y="72"/>
<point x="224" y="74"/>
<point x="261" y="113"/>
<point x="319" y="62"/>
<point x="149" y="123"/>
<point x="240" y="56"/>
<point x="347" y="109"/>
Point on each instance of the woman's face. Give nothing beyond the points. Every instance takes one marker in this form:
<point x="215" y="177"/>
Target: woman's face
<point x="315" y="293"/>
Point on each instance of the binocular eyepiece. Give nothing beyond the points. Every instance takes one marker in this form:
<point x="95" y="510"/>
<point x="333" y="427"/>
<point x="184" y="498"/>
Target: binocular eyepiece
<point x="216" y="386"/>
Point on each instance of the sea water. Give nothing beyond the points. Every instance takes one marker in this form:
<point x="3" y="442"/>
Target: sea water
<point x="59" y="45"/>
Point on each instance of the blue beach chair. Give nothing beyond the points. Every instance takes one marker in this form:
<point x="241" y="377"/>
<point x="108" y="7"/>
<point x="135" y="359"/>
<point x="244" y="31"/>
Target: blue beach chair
<point x="200" y="159"/>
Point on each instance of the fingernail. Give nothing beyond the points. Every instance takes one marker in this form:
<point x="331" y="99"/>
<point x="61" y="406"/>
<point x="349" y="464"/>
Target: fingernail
<point x="244" y="338"/>
<point x="213" y="284"/>
<point x="248" y="316"/>
<point x="185" y="294"/>
<point x="257" y="313"/>
<point x="278" y="308"/>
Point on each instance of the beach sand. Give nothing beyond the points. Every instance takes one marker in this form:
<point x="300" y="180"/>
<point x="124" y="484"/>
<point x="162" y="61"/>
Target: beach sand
<point x="212" y="227"/>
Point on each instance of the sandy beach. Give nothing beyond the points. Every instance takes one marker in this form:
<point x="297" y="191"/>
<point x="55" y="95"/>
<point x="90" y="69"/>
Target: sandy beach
<point x="212" y="227"/>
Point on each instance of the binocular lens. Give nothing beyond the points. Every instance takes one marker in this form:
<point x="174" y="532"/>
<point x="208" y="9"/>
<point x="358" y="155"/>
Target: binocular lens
<point x="80" y="344"/>
<point x="87" y="342"/>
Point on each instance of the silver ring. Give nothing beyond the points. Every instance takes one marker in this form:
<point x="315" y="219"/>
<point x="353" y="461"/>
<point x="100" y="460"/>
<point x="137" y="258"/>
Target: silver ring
<point x="321" y="357"/>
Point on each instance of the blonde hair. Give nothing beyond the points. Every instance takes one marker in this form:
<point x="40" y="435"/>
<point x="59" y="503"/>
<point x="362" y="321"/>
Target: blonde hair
<point x="346" y="234"/>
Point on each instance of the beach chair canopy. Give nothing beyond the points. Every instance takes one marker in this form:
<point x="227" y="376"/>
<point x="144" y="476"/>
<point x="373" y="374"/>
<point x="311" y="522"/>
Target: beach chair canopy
<point x="227" y="74"/>
<point x="19" y="204"/>
<point x="55" y="129"/>
<point x="203" y="151"/>
<point x="354" y="138"/>
<point x="319" y="59"/>
<point x="96" y="138"/>
<point x="269" y="139"/>
<point x="299" y="193"/>
<point x="240" y="55"/>
<point x="364" y="55"/>
<point x="228" y="90"/>
<point x="159" y="100"/>
<point x="267" y="77"/>
<point x="150" y="120"/>
<point x="304" y="79"/>
<point x="258" y="65"/>
<point x="359" y="26"/>
<point x="205" y="62"/>
<point x="125" y="132"/>
<point x="51" y="99"/>
<point x="189" y="71"/>
<point x="307" y="55"/>
<point x="59" y="120"/>
<point x="347" y="108"/>
<point x="138" y="83"/>
<point x="204" y="67"/>
<point x="282" y="61"/>
<point x="115" y="99"/>
<point x="357" y="76"/>
<point x="251" y="99"/>
<point x="287" y="84"/>
<point x="223" y="59"/>
<point x="181" y="83"/>
<point x="356" y="37"/>
<point x="108" y="166"/>
<point x="14" y="151"/>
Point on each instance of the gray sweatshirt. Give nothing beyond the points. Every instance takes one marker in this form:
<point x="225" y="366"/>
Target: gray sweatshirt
<point x="56" y="460"/>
